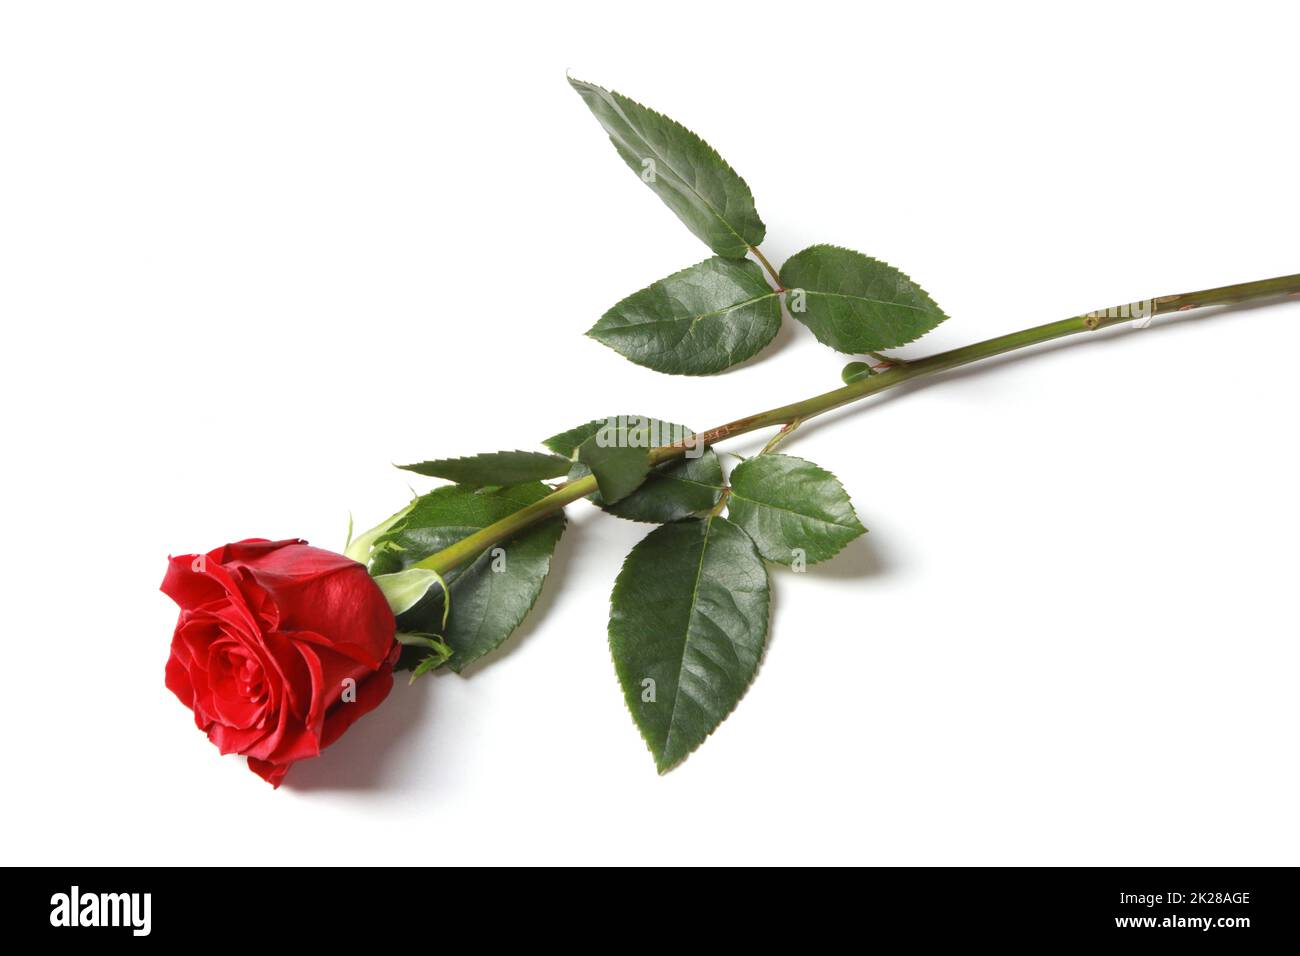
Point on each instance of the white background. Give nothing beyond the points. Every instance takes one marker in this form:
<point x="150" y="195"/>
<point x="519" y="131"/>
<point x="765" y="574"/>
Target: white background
<point x="251" y="253"/>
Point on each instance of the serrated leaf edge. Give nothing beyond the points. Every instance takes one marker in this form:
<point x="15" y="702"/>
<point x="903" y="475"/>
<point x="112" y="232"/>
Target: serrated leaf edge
<point x="465" y="458"/>
<point x="574" y="82"/>
<point x="598" y="334"/>
<point x="830" y="245"/>
<point x="662" y="769"/>
<point x="455" y="664"/>
<point x="862" y="529"/>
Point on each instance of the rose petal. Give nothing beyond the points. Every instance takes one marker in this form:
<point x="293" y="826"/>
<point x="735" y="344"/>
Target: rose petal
<point x="271" y="773"/>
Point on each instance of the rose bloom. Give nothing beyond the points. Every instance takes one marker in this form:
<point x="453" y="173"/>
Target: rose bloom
<point x="279" y="648"/>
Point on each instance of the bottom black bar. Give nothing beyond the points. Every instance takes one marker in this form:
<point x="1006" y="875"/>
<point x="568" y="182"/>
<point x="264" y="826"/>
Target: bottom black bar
<point x="1226" y="907"/>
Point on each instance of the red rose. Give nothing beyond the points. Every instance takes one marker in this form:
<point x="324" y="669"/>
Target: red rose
<point x="279" y="648"/>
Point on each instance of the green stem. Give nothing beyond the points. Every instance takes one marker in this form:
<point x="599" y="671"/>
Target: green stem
<point x="780" y="436"/>
<point x="468" y="548"/>
<point x="722" y="503"/>
<point x="776" y="276"/>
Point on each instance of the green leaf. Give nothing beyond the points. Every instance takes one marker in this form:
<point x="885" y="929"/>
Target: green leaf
<point x="405" y="589"/>
<point x="687" y="174"/>
<point x="855" y="372"/>
<point x="854" y="303"/>
<point x="358" y="548"/>
<point x="567" y="441"/>
<point x="695" y="322"/>
<point x="428" y="642"/>
<point x="675" y="490"/>
<point x="490" y="596"/>
<point x="788" y="504"/>
<point x="421" y="653"/>
<point x="494" y="468"/>
<point x="656" y="431"/>
<point x="687" y="625"/>
<point x="430" y="662"/>
<point x="672" y="491"/>
<point x="619" y="458"/>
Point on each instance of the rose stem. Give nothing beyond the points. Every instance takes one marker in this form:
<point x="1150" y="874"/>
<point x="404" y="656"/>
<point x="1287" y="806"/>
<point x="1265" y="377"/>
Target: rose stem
<point x="470" y="547"/>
